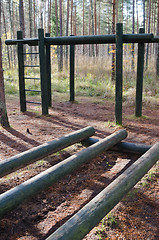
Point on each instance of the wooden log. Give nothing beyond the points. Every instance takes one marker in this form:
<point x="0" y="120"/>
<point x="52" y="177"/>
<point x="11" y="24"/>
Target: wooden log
<point x="119" y="73"/>
<point x="20" y="52"/>
<point x="98" y="39"/>
<point x="23" y="159"/>
<point x="135" y="148"/>
<point x="92" y="213"/>
<point x="15" y="196"/>
<point x="140" y="76"/>
<point x="43" y="72"/>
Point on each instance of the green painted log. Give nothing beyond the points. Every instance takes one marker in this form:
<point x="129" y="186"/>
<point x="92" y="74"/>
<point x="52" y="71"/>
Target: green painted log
<point x="12" y="198"/>
<point x="140" y="76"/>
<point x="43" y="72"/>
<point x="23" y="159"/>
<point x="126" y="147"/>
<point x="22" y="93"/>
<point x="92" y="213"/>
<point x="72" y="73"/>
<point x="98" y="39"/>
<point x="48" y="72"/>
<point x="119" y="73"/>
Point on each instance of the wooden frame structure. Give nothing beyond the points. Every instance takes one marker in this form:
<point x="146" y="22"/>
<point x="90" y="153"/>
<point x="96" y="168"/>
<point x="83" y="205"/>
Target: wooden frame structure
<point x="45" y="63"/>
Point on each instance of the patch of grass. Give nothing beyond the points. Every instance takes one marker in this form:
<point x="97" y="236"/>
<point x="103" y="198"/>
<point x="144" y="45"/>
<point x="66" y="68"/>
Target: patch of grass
<point x="133" y="117"/>
<point x="150" y="177"/>
<point x="111" y="220"/>
<point x="92" y="78"/>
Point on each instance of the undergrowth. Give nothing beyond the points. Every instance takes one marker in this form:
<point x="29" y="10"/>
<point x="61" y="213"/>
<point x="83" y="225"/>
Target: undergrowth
<point x="92" y="78"/>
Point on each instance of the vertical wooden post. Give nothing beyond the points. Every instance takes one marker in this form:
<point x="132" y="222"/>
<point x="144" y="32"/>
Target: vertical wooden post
<point x="43" y="75"/>
<point x="21" y="73"/>
<point x="119" y="73"/>
<point x="72" y="72"/>
<point x="48" y="71"/>
<point x="139" y="82"/>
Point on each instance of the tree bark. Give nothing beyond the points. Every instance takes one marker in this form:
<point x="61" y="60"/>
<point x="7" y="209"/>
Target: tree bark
<point x="133" y="31"/>
<point x="113" y="45"/>
<point x="61" y="47"/>
<point x="67" y="25"/>
<point x="3" y="111"/>
<point x="148" y="30"/>
<point x="21" y="17"/>
<point x="157" y="58"/>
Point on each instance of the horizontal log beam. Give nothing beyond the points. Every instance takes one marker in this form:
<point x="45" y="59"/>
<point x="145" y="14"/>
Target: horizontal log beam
<point x="15" y="196"/>
<point x="92" y="213"/>
<point x="23" y="159"/>
<point x="127" y="147"/>
<point x="77" y="40"/>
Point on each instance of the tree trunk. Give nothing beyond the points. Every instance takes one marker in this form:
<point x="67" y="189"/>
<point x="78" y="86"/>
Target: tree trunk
<point x="148" y="30"/>
<point x="144" y="14"/>
<point x="133" y="31"/>
<point x="67" y="24"/>
<point x="92" y="21"/>
<point x="83" y="24"/>
<point x="71" y="17"/>
<point x="49" y="16"/>
<point x="30" y="27"/>
<point x="99" y="11"/>
<point x="21" y="17"/>
<point x="113" y="45"/>
<point x="157" y="58"/>
<point x="95" y="23"/>
<point x="61" y="47"/>
<point x="5" y="29"/>
<point x="3" y="111"/>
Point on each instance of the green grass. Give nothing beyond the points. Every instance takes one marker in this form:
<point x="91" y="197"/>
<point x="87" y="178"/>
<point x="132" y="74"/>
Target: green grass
<point x="92" y="78"/>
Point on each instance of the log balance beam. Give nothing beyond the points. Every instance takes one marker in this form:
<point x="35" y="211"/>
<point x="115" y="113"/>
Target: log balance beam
<point x="92" y="213"/>
<point x="25" y="158"/>
<point x="17" y="195"/>
<point x="126" y="147"/>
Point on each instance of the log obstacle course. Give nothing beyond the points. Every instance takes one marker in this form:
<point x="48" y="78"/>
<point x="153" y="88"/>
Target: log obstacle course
<point x="90" y="215"/>
<point x="44" y="43"/>
<point x="23" y="159"/>
<point x="12" y="198"/>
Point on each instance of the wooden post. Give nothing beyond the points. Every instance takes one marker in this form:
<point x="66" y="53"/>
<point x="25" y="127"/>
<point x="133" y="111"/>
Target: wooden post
<point x="17" y="195"/>
<point x="48" y="71"/>
<point x="43" y="75"/>
<point x="119" y="73"/>
<point x="139" y="82"/>
<point x="72" y="72"/>
<point x="93" y="212"/>
<point x="21" y="72"/>
<point x="127" y="147"/>
<point x="25" y="158"/>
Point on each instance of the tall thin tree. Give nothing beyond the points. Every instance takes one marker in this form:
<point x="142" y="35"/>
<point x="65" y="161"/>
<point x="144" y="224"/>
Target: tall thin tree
<point x="61" y="47"/>
<point x="3" y="111"/>
<point x="113" y="45"/>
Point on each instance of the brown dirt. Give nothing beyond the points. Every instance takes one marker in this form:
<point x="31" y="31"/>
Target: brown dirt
<point x="137" y="214"/>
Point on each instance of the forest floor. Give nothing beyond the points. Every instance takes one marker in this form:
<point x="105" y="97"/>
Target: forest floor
<point x="135" y="217"/>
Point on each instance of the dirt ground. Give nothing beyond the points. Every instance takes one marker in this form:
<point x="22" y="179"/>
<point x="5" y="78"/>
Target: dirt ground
<point x="136" y="216"/>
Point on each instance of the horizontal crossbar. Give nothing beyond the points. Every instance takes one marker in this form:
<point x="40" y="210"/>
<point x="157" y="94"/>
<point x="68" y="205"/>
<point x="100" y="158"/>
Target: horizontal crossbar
<point x="30" y="90"/>
<point x="33" y="102"/>
<point x="31" y="66"/>
<point x="31" y="53"/>
<point x="93" y="39"/>
<point x="32" y="78"/>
